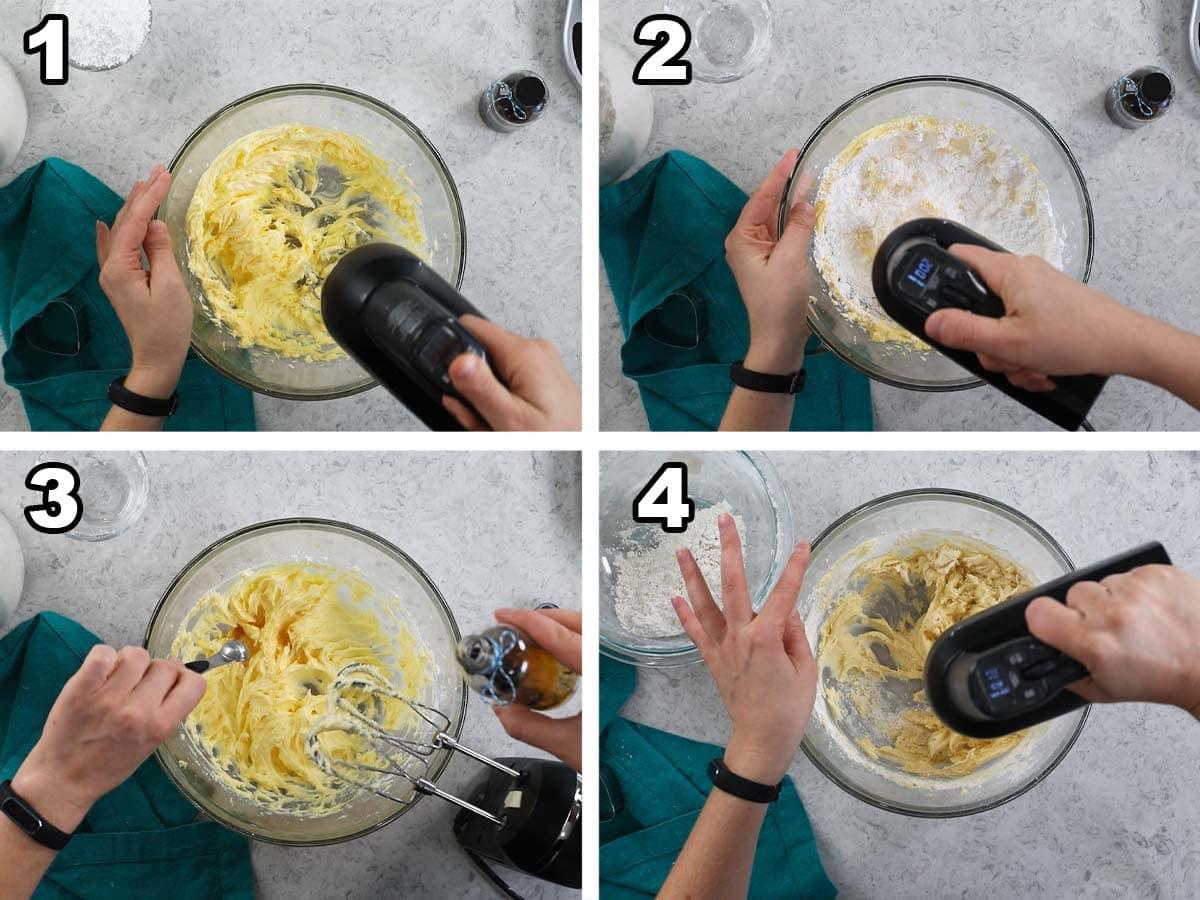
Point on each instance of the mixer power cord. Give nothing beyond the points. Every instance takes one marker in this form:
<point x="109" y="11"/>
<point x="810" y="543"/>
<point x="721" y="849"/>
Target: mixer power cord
<point x="491" y="875"/>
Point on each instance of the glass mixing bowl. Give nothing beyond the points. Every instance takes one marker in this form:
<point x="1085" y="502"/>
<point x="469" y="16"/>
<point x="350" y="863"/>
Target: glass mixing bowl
<point x="943" y="97"/>
<point x="902" y="522"/>
<point x="387" y="133"/>
<point x="403" y="589"/>
<point x="746" y="481"/>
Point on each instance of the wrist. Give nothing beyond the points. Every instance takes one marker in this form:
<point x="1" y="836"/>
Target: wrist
<point x="157" y="382"/>
<point x="754" y="762"/>
<point x="776" y="357"/>
<point x="50" y="798"/>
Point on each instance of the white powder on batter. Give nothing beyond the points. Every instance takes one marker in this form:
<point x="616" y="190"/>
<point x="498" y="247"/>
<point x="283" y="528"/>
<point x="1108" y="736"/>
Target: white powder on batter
<point x="920" y="167"/>
<point x="646" y="577"/>
<point x="103" y="33"/>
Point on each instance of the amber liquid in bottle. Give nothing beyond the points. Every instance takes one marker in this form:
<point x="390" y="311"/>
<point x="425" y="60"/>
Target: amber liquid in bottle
<point x="505" y="666"/>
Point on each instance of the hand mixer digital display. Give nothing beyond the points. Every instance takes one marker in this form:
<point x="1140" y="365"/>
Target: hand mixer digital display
<point x="399" y="320"/>
<point x="987" y="676"/>
<point x="526" y="813"/>
<point x="915" y="275"/>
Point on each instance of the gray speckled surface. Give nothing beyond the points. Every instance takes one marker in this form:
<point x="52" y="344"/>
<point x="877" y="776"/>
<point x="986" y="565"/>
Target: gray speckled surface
<point x="1117" y="818"/>
<point x="431" y="506"/>
<point x="431" y="61"/>
<point x="1059" y="58"/>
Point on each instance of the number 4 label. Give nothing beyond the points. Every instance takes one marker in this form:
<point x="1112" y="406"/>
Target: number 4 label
<point x="664" y="500"/>
<point x="670" y="37"/>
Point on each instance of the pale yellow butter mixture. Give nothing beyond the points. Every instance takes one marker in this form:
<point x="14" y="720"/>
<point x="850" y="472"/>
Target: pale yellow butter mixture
<point x="878" y="634"/>
<point x="271" y="217"/>
<point x="302" y="623"/>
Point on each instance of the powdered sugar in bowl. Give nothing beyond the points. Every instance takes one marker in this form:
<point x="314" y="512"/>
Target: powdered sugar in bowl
<point x="638" y="573"/>
<point x="930" y="146"/>
<point x="104" y="34"/>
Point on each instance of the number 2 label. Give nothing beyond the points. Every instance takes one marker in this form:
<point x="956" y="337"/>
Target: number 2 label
<point x="60" y="509"/>
<point x="664" y="500"/>
<point x="670" y="37"/>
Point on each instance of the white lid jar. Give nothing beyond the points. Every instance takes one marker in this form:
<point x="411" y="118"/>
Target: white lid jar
<point x="14" y="116"/>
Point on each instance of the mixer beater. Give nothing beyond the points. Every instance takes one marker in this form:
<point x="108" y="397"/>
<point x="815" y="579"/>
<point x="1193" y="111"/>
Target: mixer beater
<point x="526" y="813"/>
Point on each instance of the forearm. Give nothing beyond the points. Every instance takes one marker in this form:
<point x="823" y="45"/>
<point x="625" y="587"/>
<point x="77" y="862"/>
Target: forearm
<point x="157" y="384"/>
<point x="22" y="860"/>
<point x="1169" y="358"/>
<point x="719" y="854"/>
<point x="758" y="410"/>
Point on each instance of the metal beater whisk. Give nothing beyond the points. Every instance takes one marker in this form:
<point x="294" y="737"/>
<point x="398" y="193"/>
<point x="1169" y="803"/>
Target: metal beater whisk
<point x="406" y="754"/>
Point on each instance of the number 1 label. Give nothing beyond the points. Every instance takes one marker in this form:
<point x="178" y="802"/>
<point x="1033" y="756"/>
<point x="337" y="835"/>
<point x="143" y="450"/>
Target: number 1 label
<point x="49" y="39"/>
<point x="664" y="500"/>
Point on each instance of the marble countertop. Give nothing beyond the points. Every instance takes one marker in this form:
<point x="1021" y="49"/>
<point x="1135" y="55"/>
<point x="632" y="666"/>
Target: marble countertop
<point x="431" y="506"/>
<point x="431" y="61"/>
<point x="1117" y="818"/>
<point x="1060" y="58"/>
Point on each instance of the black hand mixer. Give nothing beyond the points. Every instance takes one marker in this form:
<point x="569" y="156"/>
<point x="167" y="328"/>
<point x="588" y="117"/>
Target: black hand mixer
<point x="987" y="676"/>
<point x="915" y="275"/>
<point x="525" y="813"/>
<point x="399" y="320"/>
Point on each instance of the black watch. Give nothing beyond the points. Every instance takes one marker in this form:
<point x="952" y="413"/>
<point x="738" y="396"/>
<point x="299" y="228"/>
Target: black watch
<point x="769" y="384"/>
<point x="29" y="820"/>
<point x="144" y="406"/>
<point x="742" y="788"/>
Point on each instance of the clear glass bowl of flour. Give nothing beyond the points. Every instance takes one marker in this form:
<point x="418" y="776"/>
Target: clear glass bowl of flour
<point x="945" y="98"/>
<point x="637" y="561"/>
<point x="902" y="522"/>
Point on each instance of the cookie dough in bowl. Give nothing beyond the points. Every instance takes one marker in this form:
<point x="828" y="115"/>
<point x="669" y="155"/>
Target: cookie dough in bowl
<point x="267" y="195"/>
<point x="308" y="597"/>
<point x="929" y="146"/>
<point x="884" y="582"/>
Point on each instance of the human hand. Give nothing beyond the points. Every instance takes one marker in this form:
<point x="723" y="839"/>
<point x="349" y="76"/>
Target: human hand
<point x="772" y="273"/>
<point x="1053" y="324"/>
<point x="762" y="664"/>
<point x="154" y="307"/>
<point x="540" y="395"/>
<point x="1138" y="633"/>
<point x="560" y="633"/>
<point x="107" y="720"/>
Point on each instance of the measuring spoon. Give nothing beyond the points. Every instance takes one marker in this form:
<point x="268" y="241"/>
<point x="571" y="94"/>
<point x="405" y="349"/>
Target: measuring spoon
<point x="230" y="652"/>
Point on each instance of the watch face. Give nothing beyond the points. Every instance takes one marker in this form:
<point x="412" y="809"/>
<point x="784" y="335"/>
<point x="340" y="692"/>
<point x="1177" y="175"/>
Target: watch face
<point x="21" y="814"/>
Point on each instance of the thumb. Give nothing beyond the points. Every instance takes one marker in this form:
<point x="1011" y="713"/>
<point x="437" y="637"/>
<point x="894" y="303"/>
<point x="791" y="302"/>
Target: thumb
<point x="797" y="231"/>
<point x="474" y="379"/>
<point x="159" y="249"/>
<point x="795" y="641"/>
<point x="1061" y="627"/>
<point x="962" y="330"/>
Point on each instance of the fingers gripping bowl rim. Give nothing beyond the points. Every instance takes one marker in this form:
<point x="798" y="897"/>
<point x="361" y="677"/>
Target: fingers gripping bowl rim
<point x="388" y="133"/>
<point x="899" y="522"/>
<point x="392" y="572"/>
<point x="942" y="96"/>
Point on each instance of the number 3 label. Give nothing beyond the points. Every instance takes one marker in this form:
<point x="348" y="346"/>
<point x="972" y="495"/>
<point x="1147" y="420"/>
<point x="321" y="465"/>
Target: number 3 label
<point x="60" y="509"/>
<point x="664" y="500"/>
<point x="670" y="37"/>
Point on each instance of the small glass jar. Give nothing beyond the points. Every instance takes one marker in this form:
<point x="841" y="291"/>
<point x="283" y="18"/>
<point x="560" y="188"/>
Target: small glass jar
<point x="1140" y="97"/>
<point x="514" y="102"/>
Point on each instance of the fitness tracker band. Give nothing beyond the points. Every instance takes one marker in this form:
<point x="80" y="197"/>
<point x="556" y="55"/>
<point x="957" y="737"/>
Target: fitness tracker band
<point x="144" y="406"/>
<point x="742" y="788"/>
<point x="768" y="384"/>
<point x="29" y="820"/>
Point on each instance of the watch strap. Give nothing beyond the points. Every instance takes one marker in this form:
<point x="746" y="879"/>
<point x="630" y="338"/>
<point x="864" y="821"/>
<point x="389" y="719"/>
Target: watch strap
<point x="154" y="407"/>
<point x="769" y="384"/>
<point x="742" y="788"/>
<point x="29" y="820"/>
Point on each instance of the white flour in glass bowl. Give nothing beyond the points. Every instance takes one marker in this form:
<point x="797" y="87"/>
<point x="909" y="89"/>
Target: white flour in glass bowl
<point x="919" y="167"/>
